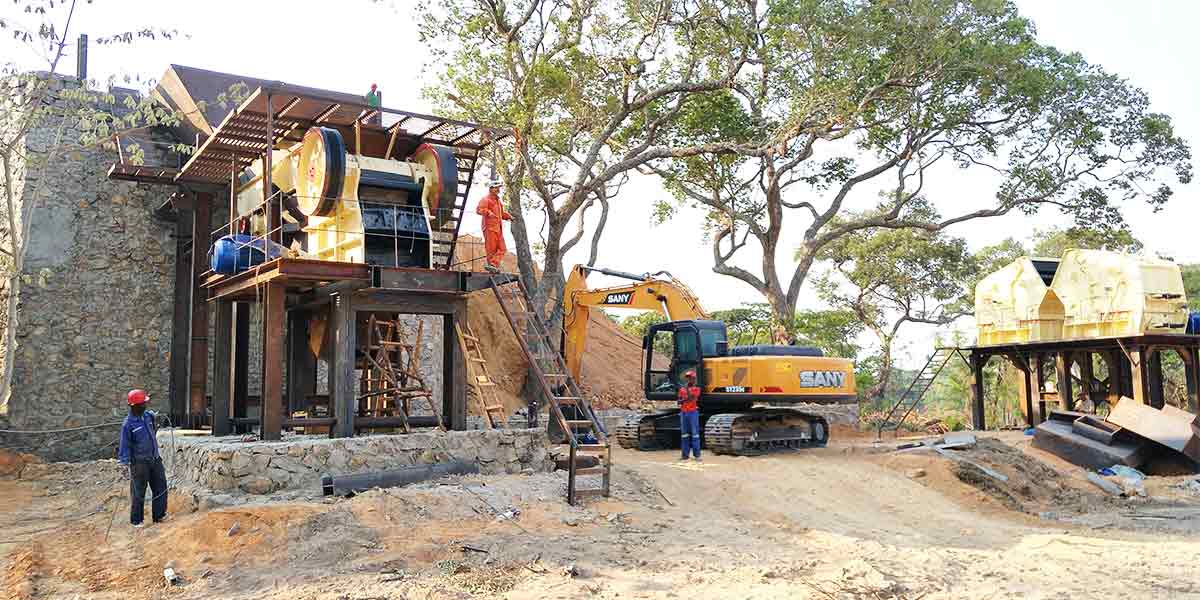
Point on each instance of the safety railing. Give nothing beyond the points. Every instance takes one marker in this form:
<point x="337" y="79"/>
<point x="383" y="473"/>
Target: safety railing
<point x="377" y="232"/>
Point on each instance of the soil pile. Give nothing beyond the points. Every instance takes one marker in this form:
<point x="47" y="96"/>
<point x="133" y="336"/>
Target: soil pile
<point x="612" y="371"/>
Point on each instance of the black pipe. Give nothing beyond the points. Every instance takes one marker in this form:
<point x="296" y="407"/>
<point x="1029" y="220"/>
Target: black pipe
<point x="359" y="422"/>
<point x="344" y="484"/>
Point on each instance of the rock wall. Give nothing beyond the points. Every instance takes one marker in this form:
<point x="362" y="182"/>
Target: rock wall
<point x="226" y="464"/>
<point x="94" y="313"/>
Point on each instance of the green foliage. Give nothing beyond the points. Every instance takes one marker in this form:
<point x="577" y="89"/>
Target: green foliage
<point x="637" y="325"/>
<point x="1051" y="243"/>
<point x="1191" y="285"/>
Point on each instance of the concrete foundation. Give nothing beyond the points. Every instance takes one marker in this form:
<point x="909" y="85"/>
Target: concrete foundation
<point x="224" y="464"/>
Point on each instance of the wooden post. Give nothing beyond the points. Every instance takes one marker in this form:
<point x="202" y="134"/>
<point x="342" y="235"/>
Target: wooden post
<point x="302" y="363"/>
<point x="1154" y="378"/>
<point x="1086" y="373"/>
<point x="181" y="323"/>
<point x="222" y="392"/>
<point x="1062" y="368"/>
<point x="272" y="355"/>
<point x="198" y="356"/>
<point x="341" y="384"/>
<point x="240" y="373"/>
<point x="1139" y="374"/>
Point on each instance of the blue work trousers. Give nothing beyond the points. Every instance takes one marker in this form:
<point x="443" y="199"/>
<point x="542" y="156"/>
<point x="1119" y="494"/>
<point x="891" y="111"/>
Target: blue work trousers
<point x="689" y="432"/>
<point x="145" y="472"/>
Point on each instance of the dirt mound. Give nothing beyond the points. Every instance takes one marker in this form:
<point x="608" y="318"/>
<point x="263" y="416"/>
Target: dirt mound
<point x="13" y="463"/>
<point x="611" y="371"/>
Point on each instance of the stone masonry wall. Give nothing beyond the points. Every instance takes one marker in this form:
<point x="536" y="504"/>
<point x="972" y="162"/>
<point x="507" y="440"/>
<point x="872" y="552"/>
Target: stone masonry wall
<point x="226" y="464"/>
<point x="94" y="318"/>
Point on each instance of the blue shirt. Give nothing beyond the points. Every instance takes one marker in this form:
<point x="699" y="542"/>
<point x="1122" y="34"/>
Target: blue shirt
<point x="138" y="438"/>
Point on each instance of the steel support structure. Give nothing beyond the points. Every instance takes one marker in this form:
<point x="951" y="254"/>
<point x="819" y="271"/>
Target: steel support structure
<point x="198" y="353"/>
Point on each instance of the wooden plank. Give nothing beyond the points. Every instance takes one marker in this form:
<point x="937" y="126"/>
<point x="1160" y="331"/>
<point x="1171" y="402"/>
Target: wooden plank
<point x="222" y="393"/>
<point x="198" y="354"/>
<point x="272" y="355"/>
<point x="342" y="371"/>
<point x="1139" y="370"/>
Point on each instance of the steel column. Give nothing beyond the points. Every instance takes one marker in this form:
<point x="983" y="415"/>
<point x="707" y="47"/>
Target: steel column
<point x="1062" y="370"/>
<point x="1087" y="375"/>
<point x="978" y="416"/>
<point x="222" y="393"/>
<point x="240" y="372"/>
<point x="1154" y="379"/>
<point x="1139" y="373"/>
<point x="198" y="355"/>
<point x="454" y="372"/>
<point x="302" y="363"/>
<point x="341" y="384"/>
<point x="180" y="387"/>
<point x="272" y="370"/>
<point x="1191" y="368"/>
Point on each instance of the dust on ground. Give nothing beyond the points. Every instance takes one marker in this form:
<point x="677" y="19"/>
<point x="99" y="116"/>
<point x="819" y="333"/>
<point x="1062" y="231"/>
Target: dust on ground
<point x="853" y="520"/>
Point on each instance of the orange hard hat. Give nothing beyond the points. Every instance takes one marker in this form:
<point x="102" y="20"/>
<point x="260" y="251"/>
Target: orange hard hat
<point x="137" y="397"/>
<point x="690" y="374"/>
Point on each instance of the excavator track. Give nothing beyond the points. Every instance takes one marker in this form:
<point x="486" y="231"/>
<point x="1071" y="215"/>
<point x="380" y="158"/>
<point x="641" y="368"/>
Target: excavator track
<point x="637" y="433"/>
<point x="759" y="431"/>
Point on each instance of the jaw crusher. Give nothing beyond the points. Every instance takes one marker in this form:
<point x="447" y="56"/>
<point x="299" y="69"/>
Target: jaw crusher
<point x="354" y="208"/>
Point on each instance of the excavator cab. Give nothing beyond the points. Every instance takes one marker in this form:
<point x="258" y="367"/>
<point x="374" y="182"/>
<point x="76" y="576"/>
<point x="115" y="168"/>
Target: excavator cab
<point x="674" y="348"/>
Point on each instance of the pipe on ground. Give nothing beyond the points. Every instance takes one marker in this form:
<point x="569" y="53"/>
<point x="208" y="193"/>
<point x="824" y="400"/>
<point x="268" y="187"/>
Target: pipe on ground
<point x="359" y="482"/>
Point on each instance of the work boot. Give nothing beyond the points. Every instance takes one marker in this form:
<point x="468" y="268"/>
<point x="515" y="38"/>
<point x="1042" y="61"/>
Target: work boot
<point x="698" y="460"/>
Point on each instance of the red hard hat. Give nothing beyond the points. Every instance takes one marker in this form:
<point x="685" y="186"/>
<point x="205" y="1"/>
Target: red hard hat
<point x="137" y="397"/>
<point x="690" y="374"/>
<point x="372" y="86"/>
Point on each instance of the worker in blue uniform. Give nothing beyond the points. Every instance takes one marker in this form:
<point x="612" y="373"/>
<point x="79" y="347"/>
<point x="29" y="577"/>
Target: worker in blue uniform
<point x="139" y="452"/>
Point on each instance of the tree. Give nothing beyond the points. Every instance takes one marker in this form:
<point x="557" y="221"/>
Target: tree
<point x="864" y="102"/>
<point x="890" y="277"/>
<point x="31" y="100"/>
<point x="588" y="88"/>
<point x="1051" y="243"/>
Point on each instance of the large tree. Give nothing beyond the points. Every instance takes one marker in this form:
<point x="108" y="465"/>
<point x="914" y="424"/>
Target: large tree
<point x="856" y="106"/>
<point x="588" y="89"/>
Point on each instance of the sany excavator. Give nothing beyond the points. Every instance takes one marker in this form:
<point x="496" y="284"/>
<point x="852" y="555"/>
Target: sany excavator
<point x="746" y="390"/>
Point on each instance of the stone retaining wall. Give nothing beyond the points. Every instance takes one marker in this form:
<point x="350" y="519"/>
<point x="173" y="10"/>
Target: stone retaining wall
<point x="226" y="464"/>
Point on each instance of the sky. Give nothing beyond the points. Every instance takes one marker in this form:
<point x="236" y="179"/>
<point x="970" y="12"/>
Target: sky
<point x="348" y="45"/>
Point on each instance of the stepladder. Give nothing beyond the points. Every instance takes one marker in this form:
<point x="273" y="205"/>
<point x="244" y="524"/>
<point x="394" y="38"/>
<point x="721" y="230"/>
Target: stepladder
<point x="483" y="388"/>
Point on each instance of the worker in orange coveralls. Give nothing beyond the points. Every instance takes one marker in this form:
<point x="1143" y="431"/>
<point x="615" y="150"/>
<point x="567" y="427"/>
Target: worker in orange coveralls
<point x="494" y="215"/>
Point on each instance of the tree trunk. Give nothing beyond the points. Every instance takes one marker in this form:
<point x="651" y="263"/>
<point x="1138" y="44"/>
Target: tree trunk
<point x="10" y="338"/>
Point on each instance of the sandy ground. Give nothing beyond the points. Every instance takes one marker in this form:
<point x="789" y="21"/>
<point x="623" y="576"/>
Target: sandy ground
<point x="848" y="521"/>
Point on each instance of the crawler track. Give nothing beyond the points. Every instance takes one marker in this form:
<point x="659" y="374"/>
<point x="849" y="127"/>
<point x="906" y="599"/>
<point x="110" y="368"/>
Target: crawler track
<point x="759" y="431"/>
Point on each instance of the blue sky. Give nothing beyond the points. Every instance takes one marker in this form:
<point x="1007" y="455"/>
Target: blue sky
<point x="346" y="46"/>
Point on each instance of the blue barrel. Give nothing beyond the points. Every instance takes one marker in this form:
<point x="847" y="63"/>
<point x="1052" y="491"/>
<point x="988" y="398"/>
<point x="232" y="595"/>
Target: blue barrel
<point x="1193" y="324"/>
<point x="235" y="253"/>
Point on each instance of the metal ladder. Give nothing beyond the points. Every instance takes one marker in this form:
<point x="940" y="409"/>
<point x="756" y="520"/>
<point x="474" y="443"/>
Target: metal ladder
<point x="558" y="387"/>
<point x="911" y="398"/>
<point x="444" y="238"/>
<point x="480" y="380"/>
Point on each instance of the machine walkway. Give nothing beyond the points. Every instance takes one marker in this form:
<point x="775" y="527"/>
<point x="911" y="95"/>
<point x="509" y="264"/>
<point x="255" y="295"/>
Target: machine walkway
<point x="583" y="430"/>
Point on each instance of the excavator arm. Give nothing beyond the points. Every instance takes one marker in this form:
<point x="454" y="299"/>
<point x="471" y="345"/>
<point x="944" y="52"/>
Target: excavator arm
<point x="658" y="292"/>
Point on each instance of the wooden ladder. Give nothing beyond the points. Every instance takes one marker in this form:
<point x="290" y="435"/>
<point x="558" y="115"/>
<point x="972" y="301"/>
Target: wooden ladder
<point x="391" y="376"/>
<point x="490" y="405"/>
<point x="558" y="387"/>
<point x="444" y="238"/>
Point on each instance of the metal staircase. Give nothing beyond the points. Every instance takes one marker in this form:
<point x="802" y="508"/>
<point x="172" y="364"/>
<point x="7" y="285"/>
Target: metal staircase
<point x="911" y="398"/>
<point x="583" y="430"/>
<point x="480" y="380"/>
<point x="444" y="237"/>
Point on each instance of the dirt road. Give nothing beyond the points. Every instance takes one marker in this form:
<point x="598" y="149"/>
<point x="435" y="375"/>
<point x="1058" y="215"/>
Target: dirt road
<point x="839" y="522"/>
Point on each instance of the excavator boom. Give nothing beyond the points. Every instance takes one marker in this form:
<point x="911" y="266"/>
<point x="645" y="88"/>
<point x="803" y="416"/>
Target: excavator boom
<point x="658" y="292"/>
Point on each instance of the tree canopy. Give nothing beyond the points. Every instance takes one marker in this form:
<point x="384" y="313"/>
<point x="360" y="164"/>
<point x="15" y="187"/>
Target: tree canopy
<point x="867" y="102"/>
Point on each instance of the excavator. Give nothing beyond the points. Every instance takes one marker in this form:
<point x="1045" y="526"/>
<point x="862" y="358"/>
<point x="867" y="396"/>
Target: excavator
<point x="745" y="390"/>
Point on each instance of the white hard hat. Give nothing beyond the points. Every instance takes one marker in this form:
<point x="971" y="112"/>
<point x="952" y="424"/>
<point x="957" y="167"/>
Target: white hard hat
<point x="495" y="183"/>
